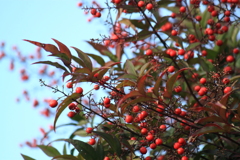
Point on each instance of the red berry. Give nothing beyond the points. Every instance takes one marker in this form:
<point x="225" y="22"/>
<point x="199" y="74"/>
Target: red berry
<point x="106" y="158"/>
<point x="219" y="42"/>
<point x="184" y="158"/>
<point x="177" y="111"/>
<point x="144" y="131"/>
<point x="177" y="145"/>
<point x="203" y="80"/>
<point x="225" y="80"/>
<point x="143" y="150"/>
<point x="171" y="69"/>
<point x="98" y="14"/>
<point x="93" y="11"/>
<point x="182" y="141"/>
<point x="172" y="53"/>
<point x="69" y="85"/>
<point x="180" y="151"/>
<point x="160" y="108"/>
<point x="228" y="69"/>
<point x="106" y="100"/>
<point x="89" y="130"/>
<point x="92" y="141"/>
<point x="204" y="53"/>
<point x="227" y="13"/>
<point x="227" y="90"/>
<point x="198" y="18"/>
<point x="173" y="15"/>
<point x="236" y="50"/>
<point x="183" y="113"/>
<point x="181" y="51"/>
<point x="174" y="32"/>
<point x="150" y="137"/>
<point x="71" y="114"/>
<point x="53" y="103"/>
<point x="230" y="58"/>
<point x="144" y="114"/>
<point x="141" y="4"/>
<point x="149" y="52"/>
<point x="129" y="119"/>
<point x="135" y="109"/>
<point x="72" y="106"/>
<point x="96" y="87"/>
<point x="79" y="90"/>
<point x="214" y="13"/>
<point x="182" y="9"/>
<point x="153" y="146"/>
<point x="197" y="88"/>
<point x="178" y="89"/>
<point x="158" y="141"/>
<point x="149" y="6"/>
<point x="162" y="127"/>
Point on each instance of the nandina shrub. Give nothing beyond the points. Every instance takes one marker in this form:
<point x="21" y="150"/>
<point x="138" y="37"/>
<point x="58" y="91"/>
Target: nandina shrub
<point x="153" y="109"/>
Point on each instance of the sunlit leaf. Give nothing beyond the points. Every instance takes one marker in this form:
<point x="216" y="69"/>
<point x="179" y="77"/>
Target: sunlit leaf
<point x="49" y="150"/>
<point x="27" y="157"/>
<point x="97" y="58"/>
<point x="125" y="83"/>
<point x="69" y="99"/>
<point x="129" y="68"/>
<point x="55" y="64"/>
<point x="84" y="57"/>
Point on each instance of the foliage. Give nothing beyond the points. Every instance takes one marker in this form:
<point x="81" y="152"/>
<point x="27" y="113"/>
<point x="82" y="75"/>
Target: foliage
<point x="176" y="97"/>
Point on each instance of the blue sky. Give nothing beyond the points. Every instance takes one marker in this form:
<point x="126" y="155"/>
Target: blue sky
<point x="38" y="20"/>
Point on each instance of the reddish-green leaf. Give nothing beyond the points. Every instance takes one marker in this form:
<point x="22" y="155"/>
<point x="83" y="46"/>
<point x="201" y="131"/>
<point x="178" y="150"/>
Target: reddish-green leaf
<point x="83" y="56"/>
<point x="129" y="68"/>
<point x="119" y="51"/>
<point x="49" y="150"/>
<point x="47" y="47"/>
<point x="141" y="84"/>
<point x="129" y="95"/>
<point x="209" y="128"/>
<point x="63" y="49"/>
<point x="157" y="83"/>
<point x="101" y="48"/>
<point x="209" y="119"/>
<point x="220" y="109"/>
<point x="97" y="58"/>
<point x="125" y="83"/>
<point x="55" y="64"/>
<point x="128" y="23"/>
<point x="69" y="99"/>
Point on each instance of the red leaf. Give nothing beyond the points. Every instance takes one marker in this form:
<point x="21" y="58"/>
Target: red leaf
<point x="140" y="84"/>
<point x="131" y="94"/>
<point x="157" y="84"/>
<point x="47" y="47"/>
<point x="63" y="48"/>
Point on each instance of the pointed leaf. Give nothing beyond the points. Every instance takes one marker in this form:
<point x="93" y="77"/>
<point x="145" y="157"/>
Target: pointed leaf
<point x="128" y="23"/>
<point x="171" y="81"/>
<point x="63" y="48"/>
<point x="49" y="150"/>
<point x="209" y="119"/>
<point x="100" y="151"/>
<point x="129" y="67"/>
<point x="125" y="83"/>
<point x="157" y="83"/>
<point x="97" y="58"/>
<point x="64" y="105"/>
<point x="111" y="140"/>
<point x="119" y="51"/>
<point x="211" y="128"/>
<point x="124" y="98"/>
<point x="65" y="157"/>
<point x="83" y="56"/>
<point x="141" y="84"/>
<point x="47" y="47"/>
<point x="99" y="47"/>
<point x="83" y="148"/>
<point x="55" y="64"/>
<point x="193" y="46"/>
<point x="27" y="157"/>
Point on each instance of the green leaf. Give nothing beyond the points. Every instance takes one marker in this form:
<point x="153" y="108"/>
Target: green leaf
<point x="161" y="22"/>
<point x="83" y="148"/>
<point x="64" y="149"/>
<point x="193" y="46"/>
<point x="129" y="68"/>
<point x="127" y="22"/>
<point x="125" y="83"/>
<point x="55" y="64"/>
<point x="137" y="23"/>
<point x="27" y="157"/>
<point x="97" y="58"/>
<point x="83" y="56"/>
<point x="100" y="151"/>
<point x="65" y="157"/>
<point x="64" y="105"/>
<point x="49" y="150"/>
<point x="141" y="35"/>
<point x="206" y="65"/>
<point x="111" y="140"/>
<point x="79" y="61"/>
<point x="128" y="76"/>
<point x="81" y="133"/>
<point x="143" y="68"/>
<point x="100" y="48"/>
<point x="171" y="81"/>
<point x="212" y="54"/>
<point x="112" y="56"/>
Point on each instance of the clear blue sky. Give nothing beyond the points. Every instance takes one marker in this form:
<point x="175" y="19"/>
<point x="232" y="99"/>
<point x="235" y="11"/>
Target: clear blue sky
<point x="38" y="20"/>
